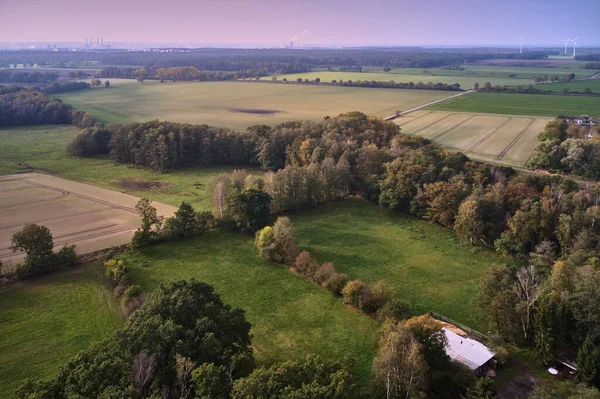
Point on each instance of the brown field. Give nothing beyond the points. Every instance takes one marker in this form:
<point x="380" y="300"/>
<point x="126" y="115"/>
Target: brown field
<point x="92" y="218"/>
<point x="508" y="139"/>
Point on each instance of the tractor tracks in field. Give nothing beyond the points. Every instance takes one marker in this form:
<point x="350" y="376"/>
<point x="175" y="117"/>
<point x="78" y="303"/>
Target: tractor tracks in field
<point x="414" y="119"/>
<point x="445" y="132"/>
<point x="490" y="134"/>
<point x="431" y="124"/>
<point x="514" y="141"/>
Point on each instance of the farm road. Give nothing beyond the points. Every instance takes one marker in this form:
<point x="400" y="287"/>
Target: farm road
<point x="389" y="118"/>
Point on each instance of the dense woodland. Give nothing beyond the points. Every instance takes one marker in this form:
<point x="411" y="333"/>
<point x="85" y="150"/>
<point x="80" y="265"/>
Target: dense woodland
<point x="260" y="62"/>
<point x="569" y="148"/>
<point x="14" y="76"/>
<point x="19" y="106"/>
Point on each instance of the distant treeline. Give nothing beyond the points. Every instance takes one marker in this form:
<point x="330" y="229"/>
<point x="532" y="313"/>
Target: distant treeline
<point x="374" y="83"/>
<point x="20" y="106"/>
<point x="592" y="65"/>
<point x="261" y="62"/>
<point x="8" y="76"/>
<point x="64" y="87"/>
<point x="185" y="73"/>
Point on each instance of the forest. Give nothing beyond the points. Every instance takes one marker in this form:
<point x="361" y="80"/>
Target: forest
<point x="569" y="148"/>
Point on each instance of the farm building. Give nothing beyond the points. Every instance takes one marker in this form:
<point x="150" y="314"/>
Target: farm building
<point x="470" y="352"/>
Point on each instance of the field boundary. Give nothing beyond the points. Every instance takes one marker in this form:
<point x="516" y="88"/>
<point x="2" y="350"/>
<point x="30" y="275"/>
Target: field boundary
<point x="392" y="117"/>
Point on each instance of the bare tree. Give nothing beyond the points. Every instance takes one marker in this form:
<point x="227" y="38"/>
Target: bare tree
<point x="143" y="369"/>
<point x="399" y="365"/>
<point x="527" y="291"/>
<point x="184" y="367"/>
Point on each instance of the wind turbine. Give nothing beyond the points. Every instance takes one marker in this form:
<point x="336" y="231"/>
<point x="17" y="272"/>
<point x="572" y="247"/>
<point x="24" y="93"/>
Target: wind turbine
<point x="521" y="42"/>
<point x="565" y="42"/>
<point x="575" y="45"/>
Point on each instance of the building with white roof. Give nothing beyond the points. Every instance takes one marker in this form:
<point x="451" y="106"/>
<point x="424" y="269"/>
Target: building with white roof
<point x="467" y="351"/>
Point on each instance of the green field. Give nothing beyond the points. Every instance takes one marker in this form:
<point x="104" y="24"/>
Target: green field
<point x="423" y="263"/>
<point x="521" y="104"/>
<point x="44" y="323"/>
<point x="580" y="85"/>
<point x="290" y="316"/>
<point x="218" y="103"/>
<point x="44" y="147"/>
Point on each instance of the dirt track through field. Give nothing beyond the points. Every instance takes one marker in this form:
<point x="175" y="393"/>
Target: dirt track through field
<point x="90" y="217"/>
<point x="487" y="136"/>
<point x="514" y="141"/>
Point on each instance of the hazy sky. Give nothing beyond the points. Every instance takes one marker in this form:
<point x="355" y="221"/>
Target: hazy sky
<point x="324" y="22"/>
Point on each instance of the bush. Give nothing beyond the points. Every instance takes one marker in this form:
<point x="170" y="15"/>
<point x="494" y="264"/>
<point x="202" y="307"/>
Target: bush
<point x="131" y="292"/>
<point x="382" y="294"/>
<point x="395" y="309"/>
<point x="116" y="271"/>
<point x="359" y="295"/>
<point x="204" y="222"/>
<point x="306" y="265"/>
<point x="336" y="283"/>
<point x="324" y="273"/>
<point x="67" y="256"/>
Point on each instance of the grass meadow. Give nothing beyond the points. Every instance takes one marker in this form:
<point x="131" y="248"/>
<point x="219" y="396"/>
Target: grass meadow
<point x="290" y="316"/>
<point x="219" y="103"/>
<point x="45" y="322"/>
<point x="422" y="262"/>
<point x="521" y="104"/>
<point x="44" y="147"/>
<point x="579" y="85"/>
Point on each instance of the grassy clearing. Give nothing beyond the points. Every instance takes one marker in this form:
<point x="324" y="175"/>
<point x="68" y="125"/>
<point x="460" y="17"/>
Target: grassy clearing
<point x="521" y="104"/>
<point x="218" y="103"/>
<point x="290" y="316"/>
<point x="44" y="323"/>
<point x="422" y="262"/>
<point x="44" y="147"/>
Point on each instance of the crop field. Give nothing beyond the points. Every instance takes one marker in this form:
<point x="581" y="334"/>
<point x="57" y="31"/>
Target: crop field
<point x="579" y="85"/>
<point x="43" y="323"/>
<point x="290" y="316"/>
<point x="238" y="105"/>
<point x="44" y="148"/>
<point x="90" y="217"/>
<point x="521" y="104"/>
<point x="508" y="139"/>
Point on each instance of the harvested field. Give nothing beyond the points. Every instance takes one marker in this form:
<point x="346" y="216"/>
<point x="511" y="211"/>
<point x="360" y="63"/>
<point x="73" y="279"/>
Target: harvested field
<point x="237" y="105"/>
<point x="508" y="139"/>
<point x="90" y="217"/>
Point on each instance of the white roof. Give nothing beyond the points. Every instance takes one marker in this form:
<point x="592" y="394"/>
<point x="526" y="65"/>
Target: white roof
<point x="469" y="352"/>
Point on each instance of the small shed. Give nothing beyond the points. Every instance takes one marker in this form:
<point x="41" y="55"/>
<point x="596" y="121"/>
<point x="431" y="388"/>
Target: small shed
<point x="468" y="351"/>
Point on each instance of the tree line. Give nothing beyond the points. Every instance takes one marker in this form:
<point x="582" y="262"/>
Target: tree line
<point x="8" y="76"/>
<point x="375" y="84"/>
<point x="21" y="106"/>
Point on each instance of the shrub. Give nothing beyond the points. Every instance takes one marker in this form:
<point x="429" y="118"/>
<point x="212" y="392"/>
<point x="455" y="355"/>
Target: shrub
<point x="67" y="256"/>
<point x="204" y="222"/>
<point x="131" y="292"/>
<point x="359" y="295"/>
<point x="264" y="242"/>
<point x="336" y="283"/>
<point x="382" y="294"/>
<point x="306" y="265"/>
<point x="116" y="271"/>
<point x="324" y="273"/>
<point x="395" y="309"/>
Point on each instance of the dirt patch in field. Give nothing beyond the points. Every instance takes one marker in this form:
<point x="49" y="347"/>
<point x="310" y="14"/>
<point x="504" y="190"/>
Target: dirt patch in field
<point x="255" y="111"/>
<point x="141" y="185"/>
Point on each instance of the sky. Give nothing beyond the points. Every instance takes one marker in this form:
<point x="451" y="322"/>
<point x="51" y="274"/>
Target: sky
<point x="311" y="22"/>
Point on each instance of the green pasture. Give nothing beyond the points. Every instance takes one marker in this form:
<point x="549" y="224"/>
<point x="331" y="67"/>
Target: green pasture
<point x="422" y="262"/>
<point x="44" y="147"/>
<point x="45" y="322"/>
<point x="230" y="104"/>
<point x="521" y="104"/>
<point x="290" y="316"/>
<point x="579" y="85"/>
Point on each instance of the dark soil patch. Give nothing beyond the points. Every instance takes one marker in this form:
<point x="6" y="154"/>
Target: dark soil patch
<point x="140" y="185"/>
<point x="255" y="111"/>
